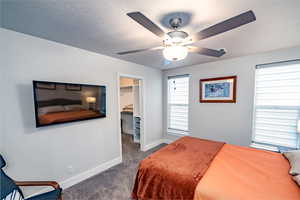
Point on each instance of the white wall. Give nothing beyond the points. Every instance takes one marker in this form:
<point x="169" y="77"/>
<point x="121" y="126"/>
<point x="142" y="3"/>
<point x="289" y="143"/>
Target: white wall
<point x="2" y="79"/>
<point x="1" y="13"/>
<point x="45" y="153"/>
<point x="231" y="123"/>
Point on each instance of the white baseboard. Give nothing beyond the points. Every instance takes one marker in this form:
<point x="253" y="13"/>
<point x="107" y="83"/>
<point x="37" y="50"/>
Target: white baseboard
<point x="167" y="141"/>
<point x="89" y="173"/>
<point x="153" y="144"/>
<point x="84" y="175"/>
<point x="156" y="143"/>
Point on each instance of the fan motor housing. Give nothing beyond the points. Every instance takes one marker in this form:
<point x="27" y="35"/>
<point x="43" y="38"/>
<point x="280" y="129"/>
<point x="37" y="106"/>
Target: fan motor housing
<point x="178" y="34"/>
<point x="176" y="37"/>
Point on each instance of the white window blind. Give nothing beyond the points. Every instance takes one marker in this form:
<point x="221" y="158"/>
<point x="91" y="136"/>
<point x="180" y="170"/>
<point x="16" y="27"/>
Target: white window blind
<point x="178" y="104"/>
<point x="277" y="105"/>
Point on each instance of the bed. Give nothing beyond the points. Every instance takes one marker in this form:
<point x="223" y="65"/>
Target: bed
<point x="197" y="169"/>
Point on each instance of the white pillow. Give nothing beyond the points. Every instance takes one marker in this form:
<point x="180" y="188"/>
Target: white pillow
<point x="297" y="179"/>
<point x="74" y="107"/>
<point x="50" y="109"/>
<point x="294" y="159"/>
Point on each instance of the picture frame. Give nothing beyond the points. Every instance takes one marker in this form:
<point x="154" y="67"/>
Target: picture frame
<point x="46" y="86"/>
<point x="73" y="87"/>
<point x="218" y="90"/>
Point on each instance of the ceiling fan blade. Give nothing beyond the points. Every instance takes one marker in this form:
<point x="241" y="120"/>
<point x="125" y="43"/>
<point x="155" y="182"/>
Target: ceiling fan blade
<point x="206" y="51"/>
<point x="146" y="23"/>
<point x="226" y="25"/>
<point x="139" y="50"/>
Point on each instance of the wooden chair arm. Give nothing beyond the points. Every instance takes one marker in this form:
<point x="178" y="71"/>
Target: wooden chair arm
<point x="53" y="184"/>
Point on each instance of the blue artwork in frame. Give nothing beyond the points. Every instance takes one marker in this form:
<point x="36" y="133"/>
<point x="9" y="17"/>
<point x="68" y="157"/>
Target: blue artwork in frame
<point x="218" y="90"/>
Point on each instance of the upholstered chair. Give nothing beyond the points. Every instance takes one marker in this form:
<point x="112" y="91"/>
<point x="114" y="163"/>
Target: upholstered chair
<point x="10" y="190"/>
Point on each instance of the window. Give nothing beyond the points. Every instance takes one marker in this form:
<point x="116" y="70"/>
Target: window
<point x="277" y="105"/>
<point x="178" y="104"/>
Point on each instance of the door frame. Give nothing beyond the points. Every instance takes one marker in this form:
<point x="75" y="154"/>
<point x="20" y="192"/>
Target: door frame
<point x="142" y="107"/>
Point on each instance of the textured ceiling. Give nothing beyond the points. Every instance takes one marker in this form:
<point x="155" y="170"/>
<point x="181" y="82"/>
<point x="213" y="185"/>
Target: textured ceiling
<point x="102" y="25"/>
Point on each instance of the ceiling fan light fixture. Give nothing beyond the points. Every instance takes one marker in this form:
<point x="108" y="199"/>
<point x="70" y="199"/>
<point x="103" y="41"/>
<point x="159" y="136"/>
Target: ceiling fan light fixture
<point x="176" y="40"/>
<point x="175" y="52"/>
<point x="177" y="37"/>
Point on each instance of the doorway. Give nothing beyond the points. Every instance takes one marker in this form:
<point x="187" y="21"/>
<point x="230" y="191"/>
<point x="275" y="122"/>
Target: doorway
<point x="131" y="107"/>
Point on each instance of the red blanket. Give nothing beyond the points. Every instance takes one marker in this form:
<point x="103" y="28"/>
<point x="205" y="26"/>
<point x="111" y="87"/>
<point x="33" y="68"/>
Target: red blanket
<point x="174" y="171"/>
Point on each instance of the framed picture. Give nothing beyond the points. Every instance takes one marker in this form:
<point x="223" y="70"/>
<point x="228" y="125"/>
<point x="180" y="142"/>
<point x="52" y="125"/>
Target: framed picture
<point x="218" y="90"/>
<point x="73" y="87"/>
<point x="46" y="86"/>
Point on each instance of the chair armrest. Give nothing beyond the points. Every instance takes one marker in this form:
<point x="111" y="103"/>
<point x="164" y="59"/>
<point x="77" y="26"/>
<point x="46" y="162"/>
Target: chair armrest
<point x="53" y="184"/>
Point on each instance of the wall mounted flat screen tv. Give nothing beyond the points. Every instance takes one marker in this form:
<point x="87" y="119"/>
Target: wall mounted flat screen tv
<point x="57" y="103"/>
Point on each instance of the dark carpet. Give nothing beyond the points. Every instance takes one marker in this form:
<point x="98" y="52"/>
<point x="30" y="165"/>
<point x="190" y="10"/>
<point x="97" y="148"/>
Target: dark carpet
<point x="117" y="182"/>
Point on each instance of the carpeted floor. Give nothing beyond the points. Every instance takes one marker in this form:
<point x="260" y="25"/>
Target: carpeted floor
<point x="115" y="183"/>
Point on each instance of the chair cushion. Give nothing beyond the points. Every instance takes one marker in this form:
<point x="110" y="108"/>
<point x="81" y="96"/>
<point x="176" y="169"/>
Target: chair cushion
<point x="53" y="195"/>
<point x="2" y="162"/>
<point x="7" y="185"/>
<point x="15" y="195"/>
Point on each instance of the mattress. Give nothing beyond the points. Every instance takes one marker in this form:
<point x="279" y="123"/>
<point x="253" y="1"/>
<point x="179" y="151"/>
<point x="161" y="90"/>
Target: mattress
<point x="174" y="171"/>
<point x="195" y="169"/>
<point x="243" y="173"/>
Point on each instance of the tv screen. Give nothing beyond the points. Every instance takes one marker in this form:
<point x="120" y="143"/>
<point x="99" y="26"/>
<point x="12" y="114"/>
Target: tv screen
<point x="57" y="103"/>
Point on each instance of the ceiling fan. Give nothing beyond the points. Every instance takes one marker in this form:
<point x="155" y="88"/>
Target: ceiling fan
<point x="177" y="43"/>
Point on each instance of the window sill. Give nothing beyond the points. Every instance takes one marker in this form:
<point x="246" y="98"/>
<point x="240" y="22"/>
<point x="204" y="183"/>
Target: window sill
<point x="177" y="133"/>
<point x="270" y="147"/>
<point x="264" y="147"/>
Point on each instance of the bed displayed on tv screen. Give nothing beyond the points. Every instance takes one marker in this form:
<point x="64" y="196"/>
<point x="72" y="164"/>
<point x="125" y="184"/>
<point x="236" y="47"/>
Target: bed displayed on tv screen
<point x="57" y="103"/>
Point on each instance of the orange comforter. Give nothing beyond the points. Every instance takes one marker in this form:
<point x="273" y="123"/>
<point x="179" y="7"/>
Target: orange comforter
<point x="50" y="118"/>
<point x="174" y="171"/>
<point x="242" y="173"/>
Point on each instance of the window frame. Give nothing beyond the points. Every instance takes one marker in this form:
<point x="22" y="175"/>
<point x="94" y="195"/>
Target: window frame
<point x="270" y="147"/>
<point x="177" y="132"/>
